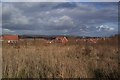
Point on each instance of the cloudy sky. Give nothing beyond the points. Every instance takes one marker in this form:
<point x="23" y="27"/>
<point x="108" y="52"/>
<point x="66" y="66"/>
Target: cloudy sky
<point x="60" y="18"/>
<point x="59" y="0"/>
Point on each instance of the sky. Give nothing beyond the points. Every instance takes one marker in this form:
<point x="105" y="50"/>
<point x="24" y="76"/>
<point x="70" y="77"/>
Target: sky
<point x="59" y="0"/>
<point x="60" y="18"/>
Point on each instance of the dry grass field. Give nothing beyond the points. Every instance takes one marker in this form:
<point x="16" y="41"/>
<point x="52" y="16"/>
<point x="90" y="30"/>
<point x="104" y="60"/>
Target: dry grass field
<point x="38" y="59"/>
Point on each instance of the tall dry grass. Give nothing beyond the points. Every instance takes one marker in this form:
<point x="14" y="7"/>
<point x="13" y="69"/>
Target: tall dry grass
<point x="37" y="59"/>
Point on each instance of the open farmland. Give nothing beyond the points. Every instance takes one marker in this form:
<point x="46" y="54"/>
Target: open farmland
<point x="38" y="59"/>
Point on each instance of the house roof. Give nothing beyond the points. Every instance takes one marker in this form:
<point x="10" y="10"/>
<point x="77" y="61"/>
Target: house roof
<point x="10" y="37"/>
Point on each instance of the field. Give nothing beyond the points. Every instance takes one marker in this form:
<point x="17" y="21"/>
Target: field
<point x="38" y="59"/>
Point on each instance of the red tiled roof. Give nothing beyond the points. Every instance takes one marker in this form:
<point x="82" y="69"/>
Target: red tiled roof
<point x="10" y="37"/>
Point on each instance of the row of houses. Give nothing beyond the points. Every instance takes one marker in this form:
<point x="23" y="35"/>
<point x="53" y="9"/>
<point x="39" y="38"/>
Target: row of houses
<point x="57" y="39"/>
<point x="15" y="38"/>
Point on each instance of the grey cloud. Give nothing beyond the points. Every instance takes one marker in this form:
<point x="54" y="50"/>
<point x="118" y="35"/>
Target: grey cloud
<point x="58" y="18"/>
<point x="59" y="0"/>
<point x="33" y="0"/>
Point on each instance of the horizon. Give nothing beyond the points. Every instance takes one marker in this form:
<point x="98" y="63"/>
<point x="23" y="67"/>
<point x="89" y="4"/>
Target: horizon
<point x="38" y="35"/>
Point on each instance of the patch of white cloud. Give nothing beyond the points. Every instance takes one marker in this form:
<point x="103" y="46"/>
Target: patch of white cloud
<point x="56" y="22"/>
<point x="17" y="17"/>
<point x="22" y="20"/>
<point x="105" y="28"/>
<point x="9" y="8"/>
<point x="60" y="10"/>
<point x="7" y="31"/>
<point x="63" y="21"/>
<point x="66" y="19"/>
<point x="111" y="28"/>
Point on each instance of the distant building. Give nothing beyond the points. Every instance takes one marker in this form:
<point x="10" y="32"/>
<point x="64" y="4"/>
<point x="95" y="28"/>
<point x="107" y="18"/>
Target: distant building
<point x="10" y="37"/>
<point x="61" y="39"/>
<point x="1" y="37"/>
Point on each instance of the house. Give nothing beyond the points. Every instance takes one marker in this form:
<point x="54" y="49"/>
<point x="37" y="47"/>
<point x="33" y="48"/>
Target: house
<point x="11" y="39"/>
<point x="61" y="39"/>
<point x="1" y="38"/>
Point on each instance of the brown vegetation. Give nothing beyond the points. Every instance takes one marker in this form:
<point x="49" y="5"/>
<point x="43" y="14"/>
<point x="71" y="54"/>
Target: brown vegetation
<point x="37" y="59"/>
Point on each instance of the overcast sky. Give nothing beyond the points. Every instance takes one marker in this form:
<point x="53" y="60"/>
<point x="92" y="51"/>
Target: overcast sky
<point x="59" y="0"/>
<point x="60" y="18"/>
